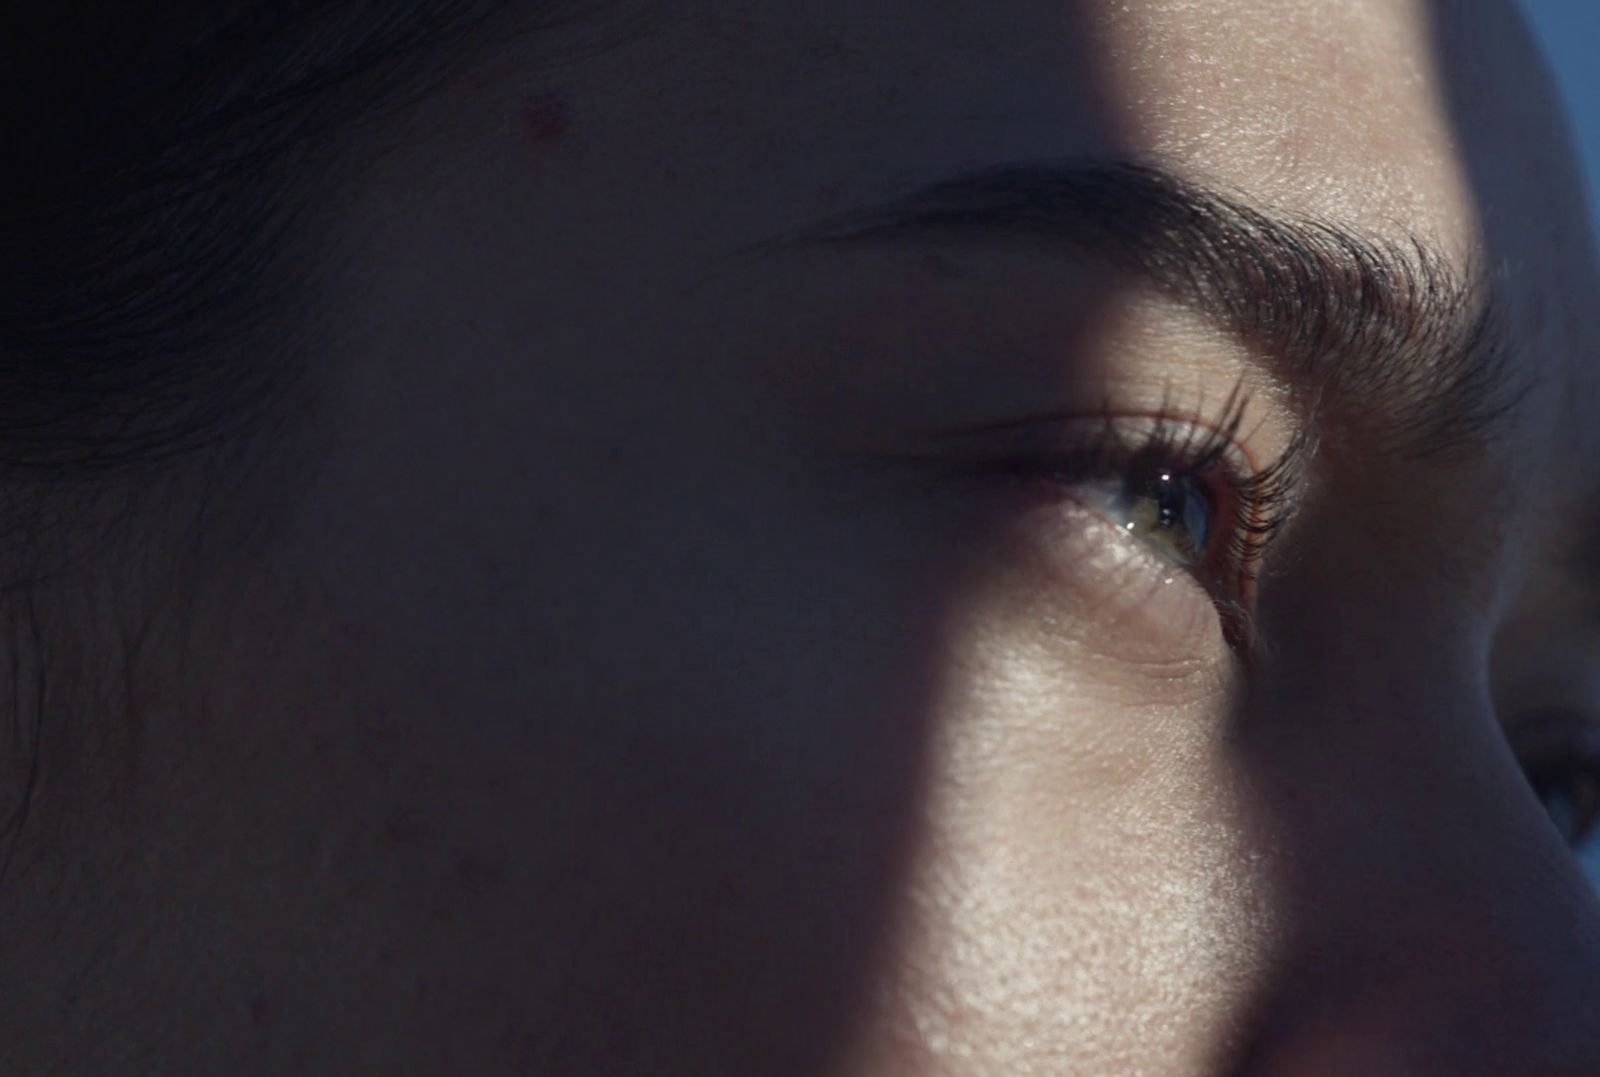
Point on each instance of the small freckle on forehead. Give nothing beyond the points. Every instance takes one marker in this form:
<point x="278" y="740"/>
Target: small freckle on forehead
<point x="546" y="118"/>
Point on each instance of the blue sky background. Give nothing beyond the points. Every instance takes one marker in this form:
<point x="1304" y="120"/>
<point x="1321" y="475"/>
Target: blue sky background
<point x="1570" y="32"/>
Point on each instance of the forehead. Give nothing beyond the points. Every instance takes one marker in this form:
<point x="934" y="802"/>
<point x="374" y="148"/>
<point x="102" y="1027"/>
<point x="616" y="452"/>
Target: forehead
<point x="1390" y="116"/>
<point x="753" y="116"/>
<point x="1333" y="107"/>
<point x="1338" y="106"/>
<point x="1370" y="111"/>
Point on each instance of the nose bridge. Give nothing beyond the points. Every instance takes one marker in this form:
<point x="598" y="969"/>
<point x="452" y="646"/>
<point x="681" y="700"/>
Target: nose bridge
<point x="1434" y="921"/>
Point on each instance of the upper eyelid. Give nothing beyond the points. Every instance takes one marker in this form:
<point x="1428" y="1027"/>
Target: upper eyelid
<point x="1113" y="441"/>
<point x="1119" y="436"/>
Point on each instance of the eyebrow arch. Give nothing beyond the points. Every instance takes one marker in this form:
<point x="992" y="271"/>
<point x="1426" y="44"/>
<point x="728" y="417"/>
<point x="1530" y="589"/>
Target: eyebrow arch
<point x="1389" y="334"/>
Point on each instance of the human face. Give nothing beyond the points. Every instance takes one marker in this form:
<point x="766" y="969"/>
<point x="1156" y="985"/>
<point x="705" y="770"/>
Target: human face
<point x="683" y="659"/>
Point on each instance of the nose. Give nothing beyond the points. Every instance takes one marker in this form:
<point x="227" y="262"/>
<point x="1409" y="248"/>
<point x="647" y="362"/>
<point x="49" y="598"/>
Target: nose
<point x="1438" y="926"/>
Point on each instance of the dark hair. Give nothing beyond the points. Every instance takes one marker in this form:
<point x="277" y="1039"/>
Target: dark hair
<point x="159" y="161"/>
<point x="159" y="164"/>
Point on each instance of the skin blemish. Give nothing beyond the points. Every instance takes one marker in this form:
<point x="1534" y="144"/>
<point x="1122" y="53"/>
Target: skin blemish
<point x="261" y="1012"/>
<point x="402" y="827"/>
<point x="476" y="873"/>
<point x="546" y="120"/>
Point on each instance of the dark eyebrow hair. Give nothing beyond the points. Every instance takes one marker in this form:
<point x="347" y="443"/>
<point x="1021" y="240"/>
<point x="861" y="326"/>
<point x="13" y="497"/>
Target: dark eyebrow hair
<point x="1388" y="334"/>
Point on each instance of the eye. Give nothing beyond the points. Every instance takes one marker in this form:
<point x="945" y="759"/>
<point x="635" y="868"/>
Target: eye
<point x="1560" y="754"/>
<point x="1172" y="511"/>
<point x="1571" y="795"/>
<point x="1183" y="486"/>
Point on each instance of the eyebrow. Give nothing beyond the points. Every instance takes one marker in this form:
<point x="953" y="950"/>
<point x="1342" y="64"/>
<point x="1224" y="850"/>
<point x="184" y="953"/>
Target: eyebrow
<point x="1389" y="333"/>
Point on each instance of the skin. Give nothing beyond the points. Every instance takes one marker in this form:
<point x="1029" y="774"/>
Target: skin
<point x="583" y="690"/>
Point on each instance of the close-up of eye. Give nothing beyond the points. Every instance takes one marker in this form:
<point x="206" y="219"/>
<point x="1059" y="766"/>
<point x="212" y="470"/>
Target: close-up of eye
<point x="1182" y="487"/>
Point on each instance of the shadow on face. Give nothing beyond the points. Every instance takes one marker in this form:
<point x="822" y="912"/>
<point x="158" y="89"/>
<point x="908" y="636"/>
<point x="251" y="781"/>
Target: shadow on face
<point x="1433" y="921"/>
<point x="783" y="587"/>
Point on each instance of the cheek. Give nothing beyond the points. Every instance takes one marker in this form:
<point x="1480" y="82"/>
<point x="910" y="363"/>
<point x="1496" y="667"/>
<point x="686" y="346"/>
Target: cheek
<point x="1103" y="613"/>
<point x="1081" y="891"/>
<point x="689" y="754"/>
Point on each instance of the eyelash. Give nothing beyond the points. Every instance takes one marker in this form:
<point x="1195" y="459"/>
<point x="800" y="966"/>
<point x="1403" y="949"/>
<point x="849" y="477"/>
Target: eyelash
<point x="1254" y="505"/>
<point x="1258" y="502"/>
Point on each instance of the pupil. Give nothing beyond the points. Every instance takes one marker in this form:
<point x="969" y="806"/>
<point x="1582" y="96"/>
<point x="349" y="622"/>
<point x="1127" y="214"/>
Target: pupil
<point x="1169" y="498"/>
<point x="1170" y="509"/>
<point x="1181" y="506"/>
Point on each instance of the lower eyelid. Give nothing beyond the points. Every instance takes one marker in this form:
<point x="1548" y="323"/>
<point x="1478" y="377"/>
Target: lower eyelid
<point x="1129" y="593"/>
<point x="1216" y="572"/>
